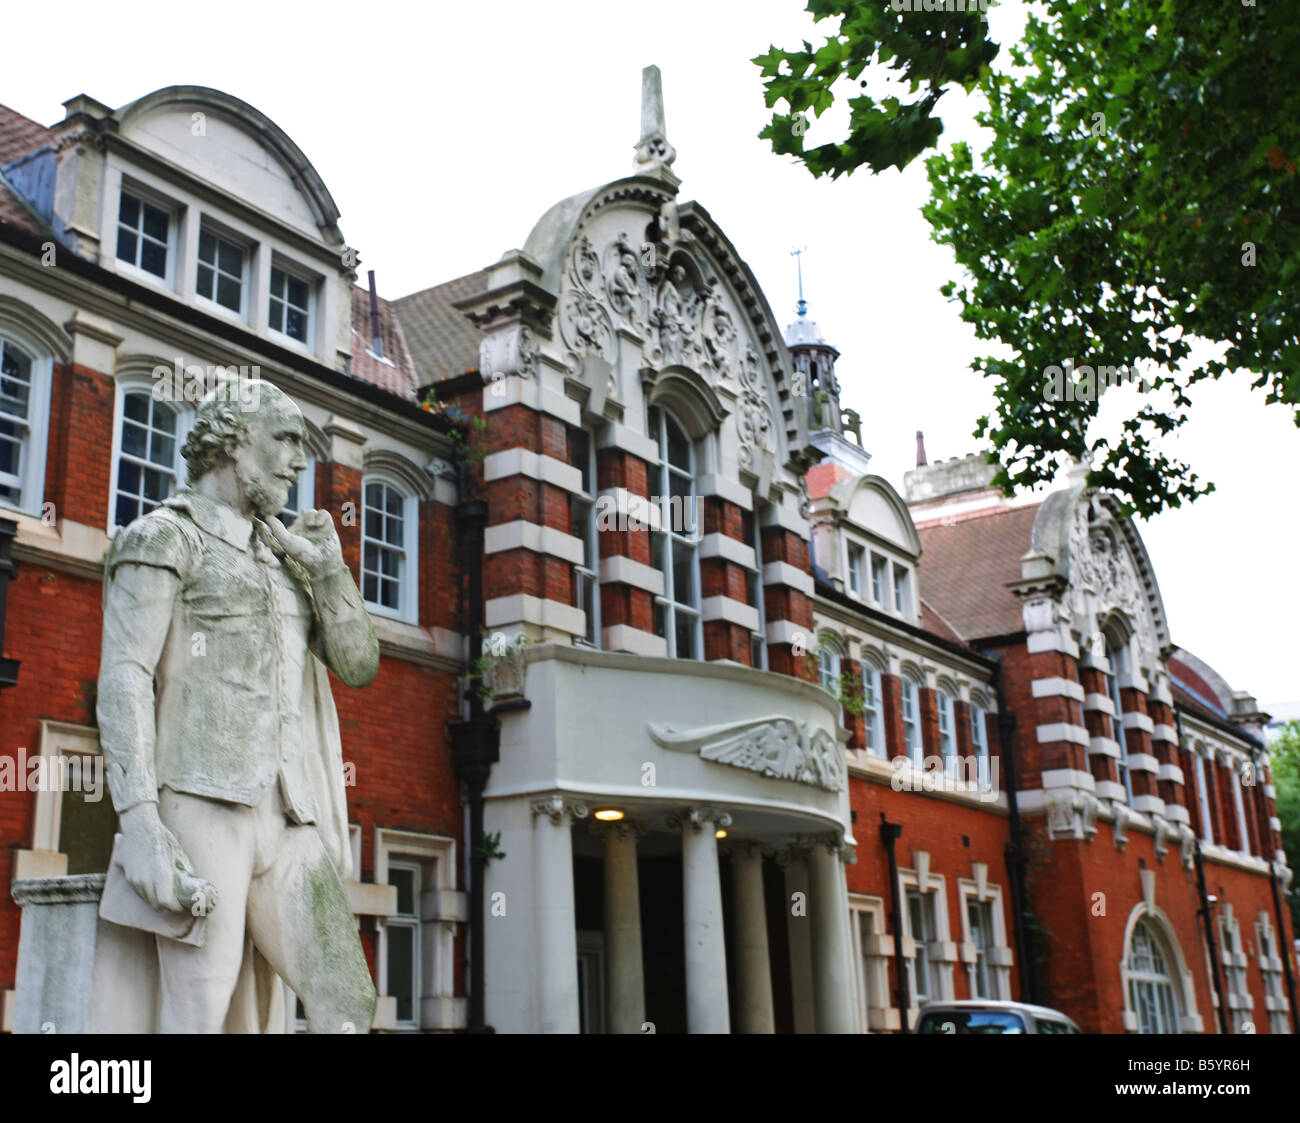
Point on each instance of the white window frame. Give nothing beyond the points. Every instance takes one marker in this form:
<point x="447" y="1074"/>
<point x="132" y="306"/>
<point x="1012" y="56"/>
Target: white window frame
<point x="873" y="711"/>
<point x="902" y="590"/>
<point x="138" y="384"/>
<point x="880" y="591"/>
<point x="173" y="209"/>
<point x="248" y="250"/>
<point x="830" y="664"/>
<point x="1242" y="833"/>
<point x="408" y="609"/>
<point x="1270" y="971"/>
<point x="673" y="541"/>
<point x="1151" y="979"/>
<point x="758" y="639"/>
<point x="998" y="955"/>
<point x="411" y="922"/>
<point x="1203" y="795"/>
<point x="1117" y="658"/>
<point x="588" y="571"/>
<point x="979" y="733"/>
<point x="59" y="739"/>
<point x="856" y="561"/>
<point x="298" y="273"/>
<point x="946" y="704"/>
<point x="872" y="956"/>
<point x="910" y="699"/>
<point x="436" y="857"/>
<point x="939" y="952"/>
<point x="306" y="492"/>
<point x="34" y="442"/>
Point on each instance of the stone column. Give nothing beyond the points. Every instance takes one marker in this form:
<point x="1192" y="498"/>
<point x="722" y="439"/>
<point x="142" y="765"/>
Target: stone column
<point x="832" y="969"/>
<point x="749" y="932"/>
<point x="556" y="938"/>
<point x="624" y="972"/>
<point x="707" y="1010"/>
<point x="799" y="928"/>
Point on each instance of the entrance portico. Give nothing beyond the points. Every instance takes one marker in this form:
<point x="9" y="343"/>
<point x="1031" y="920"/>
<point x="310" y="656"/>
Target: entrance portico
<point x="705" y="895"/>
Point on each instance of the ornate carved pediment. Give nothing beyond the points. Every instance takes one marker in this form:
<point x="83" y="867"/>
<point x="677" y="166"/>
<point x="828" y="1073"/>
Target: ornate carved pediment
<point x="779" y="747"/>
<point x="1103" y="577"/>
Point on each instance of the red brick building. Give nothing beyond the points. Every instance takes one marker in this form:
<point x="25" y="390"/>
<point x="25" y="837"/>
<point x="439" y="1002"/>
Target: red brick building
<point x="684" y="717"/>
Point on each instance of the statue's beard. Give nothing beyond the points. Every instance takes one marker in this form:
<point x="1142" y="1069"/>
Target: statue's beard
<point x="266" y="494"/>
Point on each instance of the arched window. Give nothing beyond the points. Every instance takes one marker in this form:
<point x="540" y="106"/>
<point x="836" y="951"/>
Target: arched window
<point x="582" y="519"/>
<point x="912" y="718"/>
<point x="149" y="465"/>
<point x="947" y="723"/>
<point x="873" y="709"/>
<point x="830" y="664"/>
<point x="979" y="738"/>
<point x="1152" y="996"/>
<point x="674" y="546"/>
<point x="1117" y="652"/>
<point x="388" y="549"/>
<point x="24" y="413"/>
<point x="1203" y="795"/>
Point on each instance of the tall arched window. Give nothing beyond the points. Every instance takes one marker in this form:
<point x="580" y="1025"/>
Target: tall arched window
<point x="388" y="559"/>
<point x="830" y="664"/>
<point x="979" y="737"/>
<point x="873" y="709"/>
<point x="947" y="722"/>
<point x="582" y="525"/>
<point x="302" y="496"/>
<point x="675" y="545"/>
<point x="1152" y="997"/>
<point x="1118" y="655"/>
<point x="911" y="687"/>
<point x="27" y="355"/>
<point x="148" y="470"/>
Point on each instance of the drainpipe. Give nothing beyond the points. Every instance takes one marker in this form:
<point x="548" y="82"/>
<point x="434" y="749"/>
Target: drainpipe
<point x="8" y="572"/>
<point x="1284" y="945"/>
<point x="475" y="742"/>
<point x="889" y="833"/>
<point x="1206" y="912"/>
<point x="1015" y="852"/>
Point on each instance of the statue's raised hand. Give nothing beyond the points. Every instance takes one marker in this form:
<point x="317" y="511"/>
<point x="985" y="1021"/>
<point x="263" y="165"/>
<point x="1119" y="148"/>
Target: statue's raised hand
<point x="313" y="542"/>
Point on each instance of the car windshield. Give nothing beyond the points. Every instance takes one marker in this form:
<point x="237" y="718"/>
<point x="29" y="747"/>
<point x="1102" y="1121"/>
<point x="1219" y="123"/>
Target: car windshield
<point x="970" y="1021"/>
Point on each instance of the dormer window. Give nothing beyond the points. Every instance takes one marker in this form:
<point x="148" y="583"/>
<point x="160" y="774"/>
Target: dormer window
<point x="902" y="590"/>
<point x="290" y="310"/>
<point x="221" y="271"/>
<point x="878" y="580"/>
<point x="856" y="560"/>
<point x="143" y="234"/>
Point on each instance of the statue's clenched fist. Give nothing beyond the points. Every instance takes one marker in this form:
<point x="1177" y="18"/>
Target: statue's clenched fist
<point x="312" y="542"/>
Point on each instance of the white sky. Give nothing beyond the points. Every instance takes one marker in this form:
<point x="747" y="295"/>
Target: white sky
<point x="444" y="131"/>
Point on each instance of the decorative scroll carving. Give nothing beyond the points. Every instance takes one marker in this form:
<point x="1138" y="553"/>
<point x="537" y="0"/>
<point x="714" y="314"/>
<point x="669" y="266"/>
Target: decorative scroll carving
<point x="699" y="818"/>
<point x="585" y="323"/>
<point x="779" y="747"/>
<point x="507" y="351"/>
<point x="755" y="425"/>
<point x="557" y="809"/>
<point x="1103" y="576"/>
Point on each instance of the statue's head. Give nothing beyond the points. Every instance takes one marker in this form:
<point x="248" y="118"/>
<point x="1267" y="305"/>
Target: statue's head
<point x="253" y="430"/>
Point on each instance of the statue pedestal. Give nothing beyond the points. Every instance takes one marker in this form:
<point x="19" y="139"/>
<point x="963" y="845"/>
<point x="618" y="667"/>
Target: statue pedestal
<point x="56" y="952"/>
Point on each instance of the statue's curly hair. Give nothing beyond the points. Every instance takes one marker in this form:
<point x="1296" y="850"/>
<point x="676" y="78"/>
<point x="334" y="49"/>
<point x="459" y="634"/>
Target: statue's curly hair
<point x="221" y="423"/>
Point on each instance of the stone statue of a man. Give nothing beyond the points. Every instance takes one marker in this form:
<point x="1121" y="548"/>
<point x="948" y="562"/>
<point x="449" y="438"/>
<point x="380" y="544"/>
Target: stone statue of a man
<point x="218" y="729"/>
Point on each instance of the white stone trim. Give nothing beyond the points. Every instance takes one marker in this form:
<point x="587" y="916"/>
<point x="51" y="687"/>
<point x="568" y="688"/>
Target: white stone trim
<point x="785" y="631"/>
<point x="633" y="641"/>
<point x="1062" y="731"/>
<point x="1165" y="733"/>
<point x="1133" y="680"/>
<point x="775" y="514"/>
<point x="619" y="570"/>
<point x="1143" y="762"/>
<point x="1149" y="804"/>
<point x="722" y="487"/>
<point x="1057" y="688"/>
<point x="733" y="611"/>
<point x="1110" y="789"/>
<point x="522" y="608"/>
<point x="1171" y="772"/>
<point x="1099" y="703"/>
<point x="522" y="535"/>
<point x="513" y="390"/>
<point x="1068" y="778"/>
<point x="783" y="573"/>
<point x="717" y="545"/>
<point x="622" y="437"/>
<point x="511" y="462"/>
<point x="1051" y="641"/>
<point x="629" y="507"/>
<point x="1135" y="720"/>
<point x="1103" y="746"/>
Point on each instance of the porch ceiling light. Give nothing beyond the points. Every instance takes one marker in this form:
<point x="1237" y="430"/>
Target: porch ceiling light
<point x="609" y="815"/>
<point x="719" y="833"/>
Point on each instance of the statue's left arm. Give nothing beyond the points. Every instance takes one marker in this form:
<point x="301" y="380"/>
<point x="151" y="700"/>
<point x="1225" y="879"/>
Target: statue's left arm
<point x="346" y="636"/>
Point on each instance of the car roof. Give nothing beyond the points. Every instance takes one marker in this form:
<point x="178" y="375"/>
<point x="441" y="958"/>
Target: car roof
<point x="992" y="1004"/>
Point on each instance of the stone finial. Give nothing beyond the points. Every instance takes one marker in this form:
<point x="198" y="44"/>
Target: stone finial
<point x="654" y="155"/>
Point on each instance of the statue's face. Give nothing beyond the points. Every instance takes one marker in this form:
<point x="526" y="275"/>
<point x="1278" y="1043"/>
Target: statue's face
<point x="268" y="464"/>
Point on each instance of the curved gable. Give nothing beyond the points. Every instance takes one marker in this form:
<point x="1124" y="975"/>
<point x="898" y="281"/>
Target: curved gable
<point x="871" y="503"/>
<point x="235" y="147"/>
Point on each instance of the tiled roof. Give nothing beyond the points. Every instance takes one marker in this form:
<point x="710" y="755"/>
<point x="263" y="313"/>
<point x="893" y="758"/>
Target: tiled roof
<point x="19" y="135"/>
<point x="14" y="213"/>
<point x="395" y="372"/>
<point x="966" y="565"/>
<point x="443" y="341"/>
<point x="931" y="621"/>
